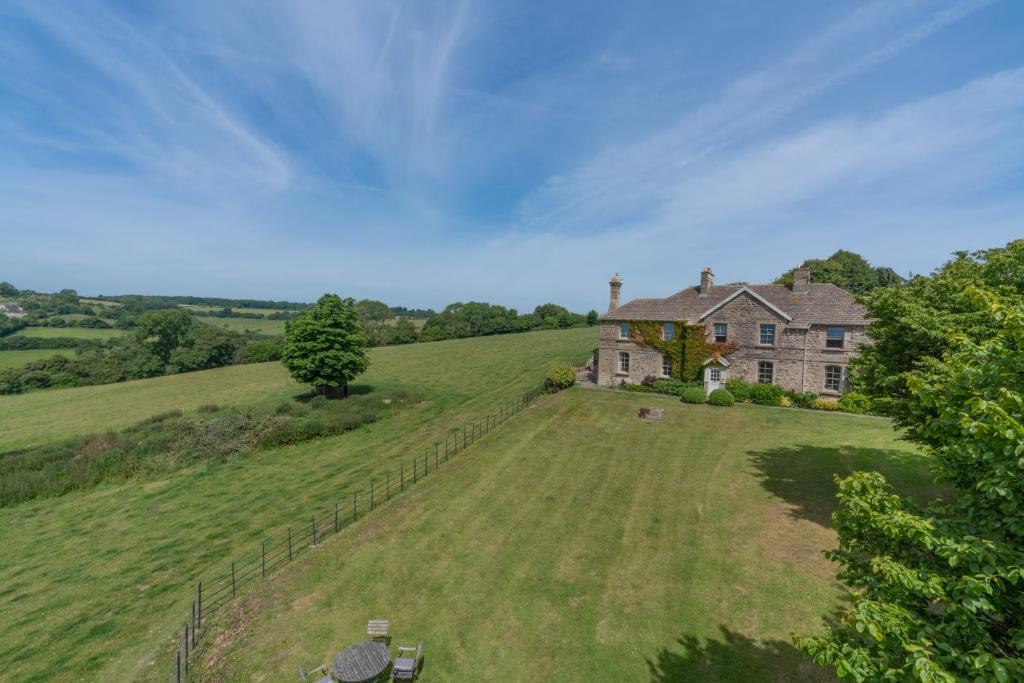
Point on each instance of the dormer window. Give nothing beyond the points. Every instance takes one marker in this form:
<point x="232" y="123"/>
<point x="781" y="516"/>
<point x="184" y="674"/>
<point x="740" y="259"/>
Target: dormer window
<point x="623" y="330"/>
<point x="834" y="337"/>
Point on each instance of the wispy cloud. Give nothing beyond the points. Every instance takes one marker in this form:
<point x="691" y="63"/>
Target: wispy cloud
<point x="628" y="180"/>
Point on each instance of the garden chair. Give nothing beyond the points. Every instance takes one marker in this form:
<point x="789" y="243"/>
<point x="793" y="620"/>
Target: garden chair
<point x="407" y="668"/>
<point x="305" y="675"/>
<point x="378" y="628"/>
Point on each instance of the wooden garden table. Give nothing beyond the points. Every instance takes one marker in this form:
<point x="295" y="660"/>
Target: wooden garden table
<point x="361" y="662"/>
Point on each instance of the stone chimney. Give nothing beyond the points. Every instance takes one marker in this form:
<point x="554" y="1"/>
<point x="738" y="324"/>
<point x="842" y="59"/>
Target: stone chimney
<point x="801" y="280"/>
<point x="613" y="297"/>
<point x="707" y="278"/>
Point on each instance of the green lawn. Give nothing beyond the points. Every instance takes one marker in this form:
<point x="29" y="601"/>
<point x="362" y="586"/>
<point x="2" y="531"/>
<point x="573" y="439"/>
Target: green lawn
<point x="73" y="332"/>
<point x="16" y="359"/>
<point x="94" y="584"/>
<point x="579" y="543"/>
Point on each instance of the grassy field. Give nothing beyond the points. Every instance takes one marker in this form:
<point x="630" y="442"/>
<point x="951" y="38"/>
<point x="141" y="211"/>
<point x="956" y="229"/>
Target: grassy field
<point x="94" y="584"/>
<point x="72" y="332"/>
<point x="16" y="359"/>
<point x="258" y="325"/>
<point x="578" y="543"/>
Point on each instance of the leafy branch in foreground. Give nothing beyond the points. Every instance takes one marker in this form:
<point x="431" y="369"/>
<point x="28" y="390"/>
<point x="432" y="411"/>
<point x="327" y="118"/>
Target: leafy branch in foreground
<point x="939" y="591"/>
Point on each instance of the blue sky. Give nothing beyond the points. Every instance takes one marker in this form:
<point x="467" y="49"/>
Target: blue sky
<point x="514" y="152"/>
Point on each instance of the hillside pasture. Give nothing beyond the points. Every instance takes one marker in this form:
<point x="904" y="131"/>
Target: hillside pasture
<point x="263" y="326"/>
<point x="94" y="583"/>
<point x="199" y="309"/>
<point x="579" y="543"/>
<point x="18" y="358"/>
<point x="72" y="332"/>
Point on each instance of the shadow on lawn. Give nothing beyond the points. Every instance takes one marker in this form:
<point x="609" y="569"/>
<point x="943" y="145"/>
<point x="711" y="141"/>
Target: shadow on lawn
<point x="353" y="390"/>
<point x="733" y="658"/>
<point x="802" y="475"/>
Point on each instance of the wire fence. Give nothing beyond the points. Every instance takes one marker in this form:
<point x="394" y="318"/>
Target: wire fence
<point x="213" y="594"/>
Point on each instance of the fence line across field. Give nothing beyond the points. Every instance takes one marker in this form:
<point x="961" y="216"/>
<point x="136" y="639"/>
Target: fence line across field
<point x="214" y="593"/>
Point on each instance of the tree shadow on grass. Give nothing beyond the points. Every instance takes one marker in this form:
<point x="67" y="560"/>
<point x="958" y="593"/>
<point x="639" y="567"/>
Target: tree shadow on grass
<point x="734" y="657"/>
<point x="353" y="390"/>
<point x="802" y="475"/>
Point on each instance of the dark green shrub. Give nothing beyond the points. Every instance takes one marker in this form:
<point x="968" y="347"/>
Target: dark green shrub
<point x="740" y="389"/>
<point x="855" y="403"/>
<point x="283" y="408"/>
<point x="693" y="395"/>
<point x="559" y="377"/>
<point x="721" y="397"/>
<point x="318" y="402"/>
<point x="801" y="399"/>
<point x="766" y="394"/>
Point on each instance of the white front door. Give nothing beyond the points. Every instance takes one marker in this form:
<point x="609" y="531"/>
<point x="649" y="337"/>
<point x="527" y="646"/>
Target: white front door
<point x="715" y="378"/>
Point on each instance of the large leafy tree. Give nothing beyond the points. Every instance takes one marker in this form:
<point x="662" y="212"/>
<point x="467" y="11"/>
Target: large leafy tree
<point x="939" y="591"/>
<point x="848" y="270"/>
<point x="912" y="325"/>
<point x="326" y="346"/>
<point x="160" y="332"/>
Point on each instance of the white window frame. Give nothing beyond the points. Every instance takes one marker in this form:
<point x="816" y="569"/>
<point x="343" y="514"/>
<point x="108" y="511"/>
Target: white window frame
<point x="761" y="365"/>
<point x="666" y="366"/>
<point x="841" y="339"/>
<point x="760" y="334"/>
<point x="714" y="333"/>
<point x="624" y="327"/>
<point x="712" y="372"/>
<point x="664" y="331"/>
<point x="838" y="381"/>
<point x="623" y="362"/>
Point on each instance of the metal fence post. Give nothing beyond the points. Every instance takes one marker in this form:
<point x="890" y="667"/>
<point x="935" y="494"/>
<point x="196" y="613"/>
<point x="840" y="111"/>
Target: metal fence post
<point x="436" y="446"/>
<point x="199" y="616"/>
<point x="312" y="519"/>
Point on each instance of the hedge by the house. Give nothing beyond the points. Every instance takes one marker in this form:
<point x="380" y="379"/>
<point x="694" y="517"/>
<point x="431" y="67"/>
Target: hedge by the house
<point x="774" y="395"/>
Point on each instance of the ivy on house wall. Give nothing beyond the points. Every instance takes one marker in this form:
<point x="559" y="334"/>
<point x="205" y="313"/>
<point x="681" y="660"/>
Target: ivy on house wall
<point x="647" y="333"/>
<point x="688" y="350"/>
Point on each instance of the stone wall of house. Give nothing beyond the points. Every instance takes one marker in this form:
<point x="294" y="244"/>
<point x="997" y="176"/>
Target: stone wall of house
<point x="643" y="361"/>
<point x="799" y="354"/>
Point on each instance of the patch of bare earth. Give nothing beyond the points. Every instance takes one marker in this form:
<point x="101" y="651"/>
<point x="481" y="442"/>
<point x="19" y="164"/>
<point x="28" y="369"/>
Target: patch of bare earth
<point x="786" y="537"/>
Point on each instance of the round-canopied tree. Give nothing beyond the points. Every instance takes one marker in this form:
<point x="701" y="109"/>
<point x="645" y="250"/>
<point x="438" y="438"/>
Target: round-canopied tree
<point x="325" y="346"/>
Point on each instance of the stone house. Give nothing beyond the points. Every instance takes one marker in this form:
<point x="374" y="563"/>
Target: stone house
<point x="12" y="311"/>
<point x="798" y="336"/>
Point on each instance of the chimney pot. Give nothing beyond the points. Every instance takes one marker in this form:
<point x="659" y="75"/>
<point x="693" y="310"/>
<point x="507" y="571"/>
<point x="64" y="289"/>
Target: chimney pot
<point x="801" y="280"/>
<point x="615" y="284"/>
<point x="707" y="279"/>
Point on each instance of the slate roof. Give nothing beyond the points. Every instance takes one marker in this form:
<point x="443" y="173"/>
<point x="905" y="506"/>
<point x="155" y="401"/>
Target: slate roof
<point x="824" y="303"/>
